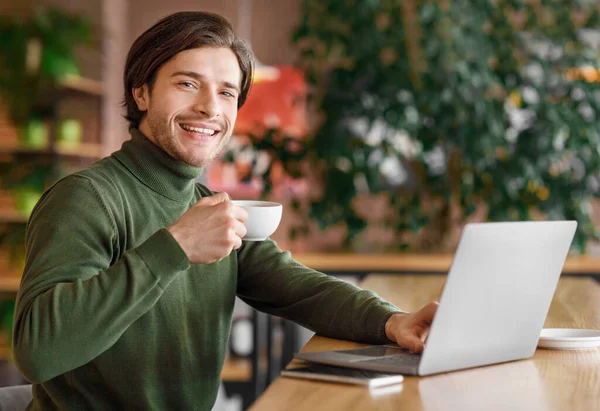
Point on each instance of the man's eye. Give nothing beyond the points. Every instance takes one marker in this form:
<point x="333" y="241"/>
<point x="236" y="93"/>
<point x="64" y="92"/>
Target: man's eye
<point x="187" y="84"/>
<point x="228" y="94"/>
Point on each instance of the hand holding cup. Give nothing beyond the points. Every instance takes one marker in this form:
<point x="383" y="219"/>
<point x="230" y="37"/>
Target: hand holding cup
<point x="211" y="229"/>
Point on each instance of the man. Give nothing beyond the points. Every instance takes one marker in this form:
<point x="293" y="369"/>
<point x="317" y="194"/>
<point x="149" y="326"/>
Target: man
<point x="132" y="269"/>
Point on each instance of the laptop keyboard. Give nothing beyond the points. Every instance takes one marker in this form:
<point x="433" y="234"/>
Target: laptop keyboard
<point x="404" y="359"/>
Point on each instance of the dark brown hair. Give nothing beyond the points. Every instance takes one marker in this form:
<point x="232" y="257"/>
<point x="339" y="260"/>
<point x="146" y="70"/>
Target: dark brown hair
<point x="172" y="35"/>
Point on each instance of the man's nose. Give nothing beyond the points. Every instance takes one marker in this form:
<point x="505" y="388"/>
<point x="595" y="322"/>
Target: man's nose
<point x="207" y="104"/>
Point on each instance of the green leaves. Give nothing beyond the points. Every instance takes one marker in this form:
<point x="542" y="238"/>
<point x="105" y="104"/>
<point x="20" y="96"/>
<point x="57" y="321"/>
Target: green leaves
<point x="35" y="54"/>
<point x="485" y="92"/>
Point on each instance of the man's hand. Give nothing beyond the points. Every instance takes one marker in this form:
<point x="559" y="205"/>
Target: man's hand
<point x="411" y="330"/>
<point x="210" y="230"/>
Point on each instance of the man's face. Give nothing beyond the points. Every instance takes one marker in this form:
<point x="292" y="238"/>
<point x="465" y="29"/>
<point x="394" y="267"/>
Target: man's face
<point x="192" y="108"/>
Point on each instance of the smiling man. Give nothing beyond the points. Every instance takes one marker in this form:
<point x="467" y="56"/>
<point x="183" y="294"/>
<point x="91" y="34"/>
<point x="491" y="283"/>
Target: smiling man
<point x="194" y="104"/>
<point x="132" y="268"/>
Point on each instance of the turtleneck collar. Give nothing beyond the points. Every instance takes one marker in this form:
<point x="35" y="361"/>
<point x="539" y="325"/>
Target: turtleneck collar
<point x="156" y="169"/>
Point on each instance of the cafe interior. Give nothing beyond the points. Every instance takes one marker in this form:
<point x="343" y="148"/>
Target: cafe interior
<point x="383" y="127"/>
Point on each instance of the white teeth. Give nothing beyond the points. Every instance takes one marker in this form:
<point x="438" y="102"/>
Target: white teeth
<point x="208" y="131"/>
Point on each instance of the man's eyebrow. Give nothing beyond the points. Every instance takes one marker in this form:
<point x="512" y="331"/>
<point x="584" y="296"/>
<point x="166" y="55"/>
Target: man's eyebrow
<point x="198" y="76"/>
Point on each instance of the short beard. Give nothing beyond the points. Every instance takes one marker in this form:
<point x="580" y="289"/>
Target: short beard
<point x="165" y="139"/>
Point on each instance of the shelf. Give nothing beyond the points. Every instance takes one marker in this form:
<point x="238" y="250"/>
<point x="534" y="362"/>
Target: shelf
<point x="89" y="150"/>
<point x="12" y="216"/>
<point x="10" y="284"/>
<point x="5" y="353"/>
<point x="351" y="262"/>
<point x="84" y="150"/>
<point x="236" y="370"/>
<point x="340" y="262"/>
<point x="16" y="147"/>
<point x="413" y="263"/>
<point x="83" y="85"/>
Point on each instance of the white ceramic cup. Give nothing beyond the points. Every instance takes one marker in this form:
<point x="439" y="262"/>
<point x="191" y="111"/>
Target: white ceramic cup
<point x="263" y="218"/>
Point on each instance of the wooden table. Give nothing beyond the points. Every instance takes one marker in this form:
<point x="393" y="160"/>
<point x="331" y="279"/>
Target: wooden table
<point x="416" y="263"/>
<point x="550" y="380"/>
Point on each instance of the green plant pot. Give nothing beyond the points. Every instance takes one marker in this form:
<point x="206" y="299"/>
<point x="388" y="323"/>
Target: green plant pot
<point x="58" y="66"/>
<point x="69" y="133"/>
<point x="34" y="134"/>
<point x="26" y="199"/>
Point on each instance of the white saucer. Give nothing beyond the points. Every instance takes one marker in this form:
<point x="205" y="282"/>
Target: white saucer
<point x="569" y="339"/>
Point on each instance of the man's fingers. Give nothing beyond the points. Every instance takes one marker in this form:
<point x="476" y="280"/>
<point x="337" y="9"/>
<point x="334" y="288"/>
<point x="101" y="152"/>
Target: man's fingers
<point x="425" y="334"/>
<point x="215" y="199"/>
<point x="240" y="213"/>
<point x="222" y="196"/>
<point x="238" y="244"/>
<point x="415" y="334"/>
<point x="427" y="313"/>
<point x="411" y="342"/>
<point x="417" y="346"/>
<point x="240" y="229"/>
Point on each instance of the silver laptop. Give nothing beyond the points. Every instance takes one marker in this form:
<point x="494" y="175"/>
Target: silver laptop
<point x="493" y="306"/>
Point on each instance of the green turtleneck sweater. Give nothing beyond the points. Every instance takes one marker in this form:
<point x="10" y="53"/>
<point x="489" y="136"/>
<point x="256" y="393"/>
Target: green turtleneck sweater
<point x="111" y="314"/>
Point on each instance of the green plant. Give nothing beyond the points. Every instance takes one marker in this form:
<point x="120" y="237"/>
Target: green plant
<point x="36" y="54"/>
<point x="12" y="239"/>
<point x="7" y="312"/>
<point x="448" y="107"/>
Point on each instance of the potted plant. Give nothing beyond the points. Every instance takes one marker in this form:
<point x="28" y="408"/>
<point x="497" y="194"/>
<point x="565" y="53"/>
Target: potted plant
<point x="36" y="54"/>
<point x="444" y="109"/>
<point x="69" y="133"/>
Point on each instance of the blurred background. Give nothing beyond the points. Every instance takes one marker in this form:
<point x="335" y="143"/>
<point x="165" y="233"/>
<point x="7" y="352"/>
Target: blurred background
<point x="383" y="126"/>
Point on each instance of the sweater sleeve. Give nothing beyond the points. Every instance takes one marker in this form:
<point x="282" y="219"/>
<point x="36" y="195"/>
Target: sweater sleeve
<point x="270" y="280"/>
<point x="78" y="293"/>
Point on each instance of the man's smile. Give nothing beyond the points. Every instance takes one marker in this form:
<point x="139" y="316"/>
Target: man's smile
<point x="199" y="132"/>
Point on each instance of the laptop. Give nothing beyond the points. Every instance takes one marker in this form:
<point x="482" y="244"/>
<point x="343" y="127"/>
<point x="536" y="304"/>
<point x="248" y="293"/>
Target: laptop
<point x="492" y="308"/>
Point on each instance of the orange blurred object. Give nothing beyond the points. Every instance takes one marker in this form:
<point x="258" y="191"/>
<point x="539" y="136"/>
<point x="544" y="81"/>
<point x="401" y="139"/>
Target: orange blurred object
<point x="277" y="100"/>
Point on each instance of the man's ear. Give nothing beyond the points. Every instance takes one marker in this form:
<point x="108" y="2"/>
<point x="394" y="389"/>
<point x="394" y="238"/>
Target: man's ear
<point x="141" y="97"/>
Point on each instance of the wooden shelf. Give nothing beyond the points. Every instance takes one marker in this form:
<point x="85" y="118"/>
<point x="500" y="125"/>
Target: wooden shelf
<point x="12" y="216"/>
<point x="5" y="353"/>
<point x="339" y="263"/>
<point x="88" y="150"/>
<point x="83" y="85"/>
<point x="350" y="262"/>
<point x="10" y="284"/>
<point x="83" y="150"/>
<point x="236" y="370"/>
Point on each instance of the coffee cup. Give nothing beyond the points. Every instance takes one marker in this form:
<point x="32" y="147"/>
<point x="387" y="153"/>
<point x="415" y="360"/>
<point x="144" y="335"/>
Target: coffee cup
<point x="263" y="218"/>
